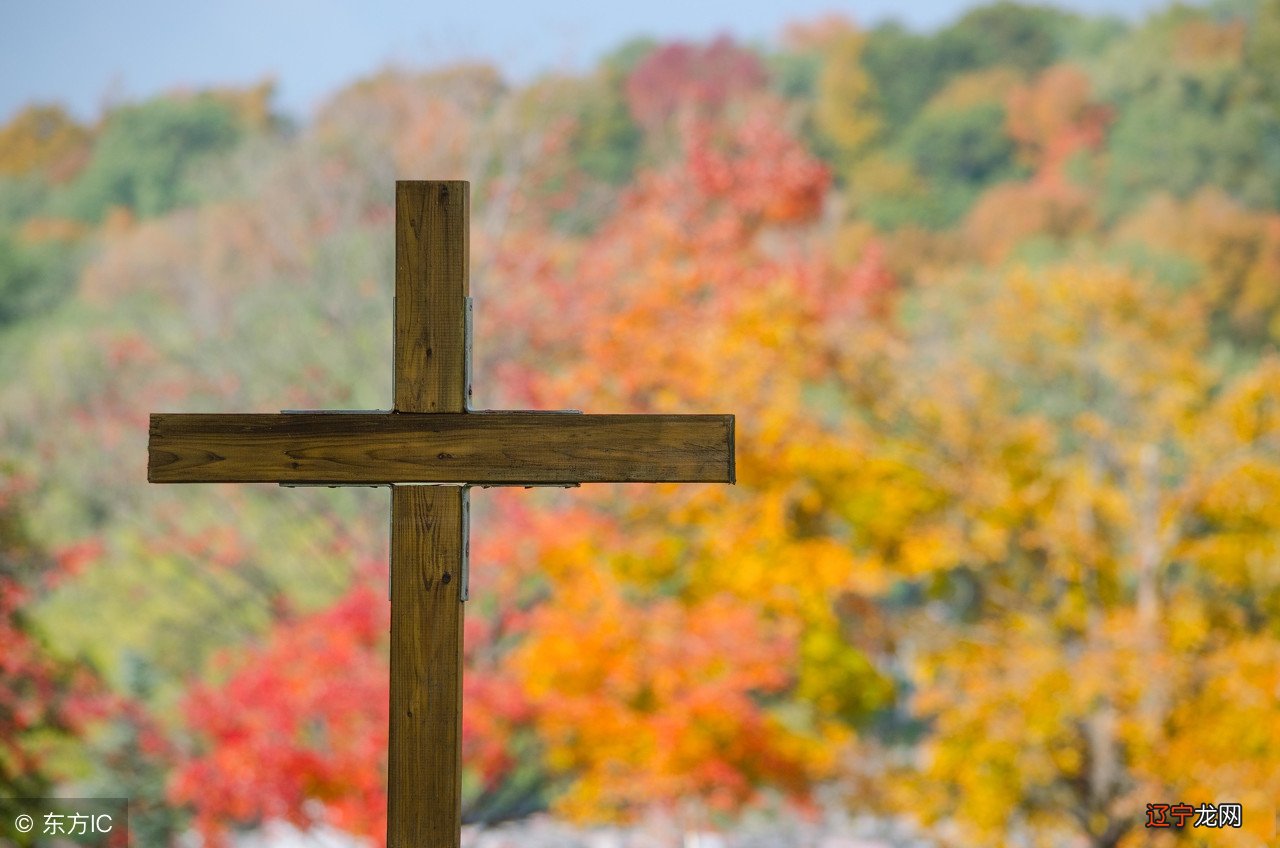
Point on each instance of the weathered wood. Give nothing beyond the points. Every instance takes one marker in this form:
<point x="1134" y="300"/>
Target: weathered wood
<point x="491" y="447"/>
<point x="432" y="250"/>
<point x="428" y="543"/>
<point x="424" y="797"/>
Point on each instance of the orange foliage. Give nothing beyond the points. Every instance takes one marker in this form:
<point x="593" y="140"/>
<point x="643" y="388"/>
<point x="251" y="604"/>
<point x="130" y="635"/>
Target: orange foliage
<point x="52" y="229"/>
<point x="650" y="701"/>
<point x="682" y="631"/>
<point x="1011" y="213"/>
<point x="1238" y="250"/>
<point x="1201" y="40"/>
<point x="1054" y="117"/>
<point x="44" y="138"/>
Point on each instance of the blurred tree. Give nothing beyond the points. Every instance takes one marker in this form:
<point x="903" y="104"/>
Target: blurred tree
<point x="1095" y="591"/>
<point x="642" y="692"/>
<point x="1011" y="215"/>
<point x="907" y="68"/>
<point x="21" y="198"/>
<point x="1053" y="118"/>
<point x="143" y="153"/>
<point x="961" y="147"/>
<point x="43" y="139"/>
<point x="949" y="154"/>
<point x="681" y="76"/>
<point x="303" y="721"/>
<point x="607" y="141"/>
<point x="845" y="112"/>
<point x="1262" y="49"/>
<point x="251" y="106"/>
<point x="1029" y="38"/>
<point x="1188" y="113"/>
<point x="135" y="756"/>
<point x="1237" y="251"/>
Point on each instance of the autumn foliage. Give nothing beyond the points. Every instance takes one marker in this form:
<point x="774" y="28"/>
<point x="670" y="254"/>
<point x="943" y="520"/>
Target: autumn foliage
<point x="996" y="309"/>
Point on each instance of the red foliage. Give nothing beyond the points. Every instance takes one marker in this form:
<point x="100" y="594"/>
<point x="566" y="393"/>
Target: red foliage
<point x="871" y="283"/>
<point x="686" y="76"/>
<point x="762" y="173"/>
<point x="40" y="694"/>
<point x="1055" y="116"/>
<point x="72" y="559"/>
<point x="303" y="719"/>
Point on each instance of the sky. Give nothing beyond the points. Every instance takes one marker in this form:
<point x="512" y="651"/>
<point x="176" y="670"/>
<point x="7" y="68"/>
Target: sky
<point x="86" y="54"/>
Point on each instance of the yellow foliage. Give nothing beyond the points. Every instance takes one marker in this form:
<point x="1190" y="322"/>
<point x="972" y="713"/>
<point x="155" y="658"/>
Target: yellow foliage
<point x="43" y="138"/>
<point x="1106" y="452"/>
<point x="1237" y="249"/>
<point x="989" y="85"/>
<point x="844" y="111"/>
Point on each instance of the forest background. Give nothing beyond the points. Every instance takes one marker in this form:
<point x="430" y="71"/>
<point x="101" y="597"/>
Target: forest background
<point x="997" y="307"/>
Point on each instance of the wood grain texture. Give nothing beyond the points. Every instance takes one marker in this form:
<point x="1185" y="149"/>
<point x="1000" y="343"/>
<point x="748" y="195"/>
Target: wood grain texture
<point x="488" y="447"/>
<point x="432" y="269"/>
<point x="424" y="798"/>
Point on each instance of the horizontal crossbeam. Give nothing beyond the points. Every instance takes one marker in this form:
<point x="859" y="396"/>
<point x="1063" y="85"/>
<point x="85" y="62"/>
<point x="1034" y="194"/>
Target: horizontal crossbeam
<point x="370" y="448"/>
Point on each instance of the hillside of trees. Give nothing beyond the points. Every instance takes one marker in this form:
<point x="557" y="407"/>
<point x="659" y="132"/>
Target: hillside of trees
<point x="997" y="307"/>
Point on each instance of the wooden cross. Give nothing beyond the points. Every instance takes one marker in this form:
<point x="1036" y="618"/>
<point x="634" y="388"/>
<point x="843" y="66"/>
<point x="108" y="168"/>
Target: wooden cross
<point x="432" y="437"/>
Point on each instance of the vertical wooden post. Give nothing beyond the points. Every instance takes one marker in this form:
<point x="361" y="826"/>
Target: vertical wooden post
<point x="424" y="795"/>
<point x="432" y="268"/>
<point x="424" y="799"/>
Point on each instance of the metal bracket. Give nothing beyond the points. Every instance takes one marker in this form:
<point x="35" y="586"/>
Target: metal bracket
<point x="464" y="587"/>
<point x="335" y="411"/>
<point x="526" y="485"/>
<point x="466" y="355"/>
<point x="525" y="411"/>
<point x="333" y="485"/>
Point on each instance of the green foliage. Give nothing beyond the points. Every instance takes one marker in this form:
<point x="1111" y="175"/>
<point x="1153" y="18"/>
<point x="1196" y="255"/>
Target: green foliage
<point x="906" y="69"/>
<point x="1028" y="38"/>
<point x="951" y="155"/>
<point x="1263" y="50"/>
<point x="607" y="142"/>
<point x="795" y="74"/>
<point x="964" y="146"/>
<point x="1189" y="95"/>
<point x="909" y="68"/>
<point x="33" y="277"/>
<point x="21" y="198"/>
<point x="1085" y="39"/>
<point x="143" y="156"/>
<point x="1184" y="136"/>
<point x="624" y="59"/>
